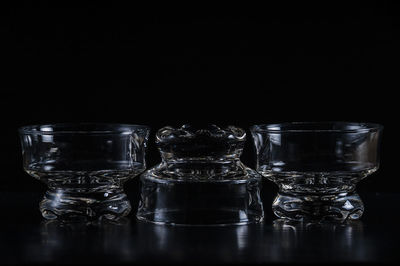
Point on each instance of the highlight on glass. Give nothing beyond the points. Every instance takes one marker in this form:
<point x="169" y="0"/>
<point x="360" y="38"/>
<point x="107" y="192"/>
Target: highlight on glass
<point x="317" y="166"/>
<point x="84" y="166"/>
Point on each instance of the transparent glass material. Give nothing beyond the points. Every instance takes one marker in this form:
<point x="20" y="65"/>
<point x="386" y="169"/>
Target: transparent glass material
<point x="201" y="180"/>
<point x="317" y="166"/>
<point x="84" y="167"/>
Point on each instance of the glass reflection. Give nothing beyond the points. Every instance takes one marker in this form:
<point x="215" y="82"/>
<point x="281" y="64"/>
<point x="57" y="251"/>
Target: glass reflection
<point x="345" y="241"/>
<point x="220" y="243"/>
<point x="108" y="239"/>
<point x="130" y="240"/>
<point x="143" y="242"/>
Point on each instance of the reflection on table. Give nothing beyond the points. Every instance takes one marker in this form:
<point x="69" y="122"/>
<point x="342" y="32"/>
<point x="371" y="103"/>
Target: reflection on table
<point x="130" y="240"/>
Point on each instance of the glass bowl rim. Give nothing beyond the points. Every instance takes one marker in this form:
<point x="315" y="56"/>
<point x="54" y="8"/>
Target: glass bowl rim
<point x="361" y="127"/>
<point x="114" y="128"/>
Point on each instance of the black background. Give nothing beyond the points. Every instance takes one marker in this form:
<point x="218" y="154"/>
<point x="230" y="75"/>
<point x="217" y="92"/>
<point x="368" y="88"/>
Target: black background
<point x="170" y="65"/>
<point x="175" y="64"/>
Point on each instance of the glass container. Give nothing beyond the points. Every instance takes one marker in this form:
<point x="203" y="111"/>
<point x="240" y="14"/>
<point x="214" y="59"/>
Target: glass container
<point x="84" y="166"/>
<point x="201" y="180"/>
<point x="317" y="166"/>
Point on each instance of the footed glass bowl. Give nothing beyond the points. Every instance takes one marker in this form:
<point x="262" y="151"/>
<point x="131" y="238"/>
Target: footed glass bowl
<point x="317" y="166"/>
<point x="201" y="180"/>
<point x="84" y="167"/>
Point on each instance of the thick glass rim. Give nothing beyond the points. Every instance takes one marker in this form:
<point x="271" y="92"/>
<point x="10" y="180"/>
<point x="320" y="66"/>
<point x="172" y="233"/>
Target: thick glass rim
<point x="329" y="126"/>
<point x="82" y="128"/>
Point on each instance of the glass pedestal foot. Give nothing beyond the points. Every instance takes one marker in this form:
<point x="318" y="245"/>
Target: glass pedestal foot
<point x="67" y="205"/>
<point x="335" y="207"/>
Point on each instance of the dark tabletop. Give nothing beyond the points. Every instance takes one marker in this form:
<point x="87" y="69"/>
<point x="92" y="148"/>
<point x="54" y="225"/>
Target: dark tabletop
<point x="25" y="237"/>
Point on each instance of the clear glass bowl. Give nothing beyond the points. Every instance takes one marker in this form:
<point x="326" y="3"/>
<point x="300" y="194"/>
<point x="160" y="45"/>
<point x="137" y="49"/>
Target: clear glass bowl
<point x="201" y="180"/>
<point x="84" y="166"/>
<point x="317" y="166"/>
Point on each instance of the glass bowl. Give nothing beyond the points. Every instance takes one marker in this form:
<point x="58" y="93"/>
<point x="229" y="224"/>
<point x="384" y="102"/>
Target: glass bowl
<point x="201" y="180"/>
<point x="317" y="166"/>
<point x="84" y="166"/>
